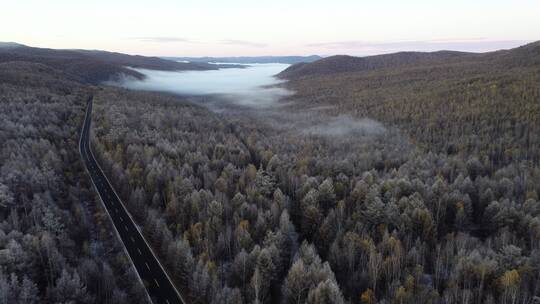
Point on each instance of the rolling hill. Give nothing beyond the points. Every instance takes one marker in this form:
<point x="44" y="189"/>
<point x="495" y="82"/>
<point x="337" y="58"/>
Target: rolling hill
<point x="93" y="66"/>
<point x="487" y="104"/>
<point x="344" y="63"/>
<point x="524" y="55"/>
<point x="144" y="62"/>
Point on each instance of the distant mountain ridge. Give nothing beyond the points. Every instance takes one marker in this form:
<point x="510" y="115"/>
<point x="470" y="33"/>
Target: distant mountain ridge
<point x="10" y="44"/>
<point x="350" y="64"/>
<point x="94" y="66"/>
<point x="145" y="62"/>
<point x="345" y="63"/>
<point x="250" y="59"/>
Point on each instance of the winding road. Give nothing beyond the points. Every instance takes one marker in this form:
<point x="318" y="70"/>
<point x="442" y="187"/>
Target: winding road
<point x="158" y="285"/>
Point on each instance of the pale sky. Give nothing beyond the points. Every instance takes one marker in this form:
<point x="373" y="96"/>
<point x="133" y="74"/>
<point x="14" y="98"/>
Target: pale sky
<point x="277" y="27"/>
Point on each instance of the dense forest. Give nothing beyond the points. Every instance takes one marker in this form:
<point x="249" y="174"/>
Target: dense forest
<point x="56" y="244"/>
<point x="242" y="211"/>
<point x="410" y="179"/>
<point x="485" y="105"/>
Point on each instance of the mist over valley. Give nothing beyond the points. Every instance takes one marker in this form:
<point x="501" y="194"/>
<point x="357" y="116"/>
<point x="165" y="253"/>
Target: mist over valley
<point x="254" y="85"/>
<point x="288" y="152"/>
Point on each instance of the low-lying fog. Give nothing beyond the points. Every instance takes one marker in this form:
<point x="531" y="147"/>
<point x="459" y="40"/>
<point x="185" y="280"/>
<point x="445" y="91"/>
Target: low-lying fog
<point x="245" y="86"/>
<point x="250" y="93"/>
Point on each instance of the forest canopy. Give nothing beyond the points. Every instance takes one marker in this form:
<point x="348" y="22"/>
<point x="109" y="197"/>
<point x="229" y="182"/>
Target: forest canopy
<point x="56" y="244"/>
<point x="401" y="179"/>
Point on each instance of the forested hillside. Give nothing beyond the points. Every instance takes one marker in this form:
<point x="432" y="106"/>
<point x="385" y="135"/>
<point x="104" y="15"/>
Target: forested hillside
<point x="410" y="178"/>
<point x="243" y="212"/>
<point x="344" y="63"/>
<point x="482" y="104"/>
<point x="56" y="244"/>
<point x="93" y="66"/>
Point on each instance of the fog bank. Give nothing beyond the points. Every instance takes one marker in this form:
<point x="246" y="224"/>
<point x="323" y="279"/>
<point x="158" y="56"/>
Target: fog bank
<point x="250" y="93"/>
<point x="249" y="86"/>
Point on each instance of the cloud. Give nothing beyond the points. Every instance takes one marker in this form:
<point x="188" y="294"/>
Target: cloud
<point x="165" y="39"/>
<point x="162" y="39"/>
<point x="360" y="47"/>
<point x="243" y="43"/>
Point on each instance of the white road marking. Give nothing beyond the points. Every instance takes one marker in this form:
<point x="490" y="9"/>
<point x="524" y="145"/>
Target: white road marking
<point x="156" y="282"/>
<point x="132" y="239"/>
<point x="121" y="220"/>
<point x="147" y="265"/>
<point x="140" y="253"/>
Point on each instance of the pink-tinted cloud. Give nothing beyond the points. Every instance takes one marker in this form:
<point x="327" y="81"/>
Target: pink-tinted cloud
<point x="359" y="47"/>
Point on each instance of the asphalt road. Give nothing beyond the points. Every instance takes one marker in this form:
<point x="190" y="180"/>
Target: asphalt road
<point x="150" y="271"/>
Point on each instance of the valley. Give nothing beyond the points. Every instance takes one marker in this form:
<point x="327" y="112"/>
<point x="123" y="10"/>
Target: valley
<point x="401" y="178"/>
